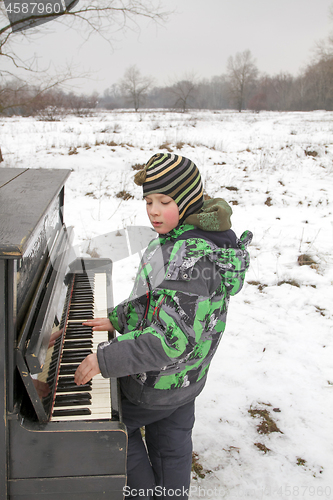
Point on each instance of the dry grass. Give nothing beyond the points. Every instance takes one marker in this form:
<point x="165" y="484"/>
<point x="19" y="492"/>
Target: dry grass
<point x="197" y="468"/>
<point x="307" y="260"/>
<point x="267" y="424"/>
<point x="125" y="195"/>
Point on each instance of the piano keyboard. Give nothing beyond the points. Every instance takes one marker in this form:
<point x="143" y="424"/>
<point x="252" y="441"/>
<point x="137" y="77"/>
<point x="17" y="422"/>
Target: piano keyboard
<point x="93" y="400"/>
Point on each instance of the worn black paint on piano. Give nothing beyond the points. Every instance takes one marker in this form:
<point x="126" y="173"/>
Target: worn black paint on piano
<point x="55" y="441"/>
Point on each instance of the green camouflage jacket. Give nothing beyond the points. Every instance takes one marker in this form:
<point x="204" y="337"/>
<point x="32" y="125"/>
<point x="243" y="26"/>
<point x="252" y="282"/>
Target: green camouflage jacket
<point x="175" y="316"/>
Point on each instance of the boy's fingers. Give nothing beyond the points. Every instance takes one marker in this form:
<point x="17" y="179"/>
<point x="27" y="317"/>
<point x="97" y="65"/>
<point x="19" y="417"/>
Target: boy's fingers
<point x="87" y="370"/>
<point x="81" y="374"/>
<point x="99" y="324"/>
<point x="94" y="322"/>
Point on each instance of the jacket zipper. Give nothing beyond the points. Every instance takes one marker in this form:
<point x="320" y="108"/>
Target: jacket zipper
<point x="148" y="292"/>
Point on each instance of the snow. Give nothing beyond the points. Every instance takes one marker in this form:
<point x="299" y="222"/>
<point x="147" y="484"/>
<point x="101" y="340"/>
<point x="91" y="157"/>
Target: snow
<point x="275" y="359"/>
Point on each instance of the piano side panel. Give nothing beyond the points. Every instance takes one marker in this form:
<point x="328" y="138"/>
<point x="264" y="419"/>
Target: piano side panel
<point x="67" y="449"/>
<point x="11" y="309"/>
<point x="68" y="488"/>
<point x="3" y="389"/>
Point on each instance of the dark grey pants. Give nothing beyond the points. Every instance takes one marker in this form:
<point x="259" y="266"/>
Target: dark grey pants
<point x="162" y="469"/>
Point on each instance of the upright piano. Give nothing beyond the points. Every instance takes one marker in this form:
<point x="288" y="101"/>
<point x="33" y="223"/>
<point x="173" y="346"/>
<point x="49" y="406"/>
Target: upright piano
<point x="57" y="440"/>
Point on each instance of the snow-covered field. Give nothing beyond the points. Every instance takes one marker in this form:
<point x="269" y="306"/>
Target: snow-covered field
<point x="264" y="421"/>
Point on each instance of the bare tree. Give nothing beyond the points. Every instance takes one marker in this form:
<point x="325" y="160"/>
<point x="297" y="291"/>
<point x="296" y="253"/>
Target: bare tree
<point x="135" y="87"/>
<point x="105" y="18"/>
<point x="242" y="73"/>
<point x="184" y="92"/>
<point x="112" y="97"/>
<point x="102" y="17"/>
<point x="213" y="93"/>
<point x="318" y="85"/>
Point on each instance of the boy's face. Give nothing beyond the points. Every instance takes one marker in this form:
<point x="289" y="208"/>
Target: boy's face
<point x="163" y="212"/>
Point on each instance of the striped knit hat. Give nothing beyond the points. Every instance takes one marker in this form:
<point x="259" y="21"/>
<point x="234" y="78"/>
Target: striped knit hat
<point x="175" y="176"/>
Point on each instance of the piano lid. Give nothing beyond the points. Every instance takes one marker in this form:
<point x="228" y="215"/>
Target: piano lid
<point x="25" y="196"/>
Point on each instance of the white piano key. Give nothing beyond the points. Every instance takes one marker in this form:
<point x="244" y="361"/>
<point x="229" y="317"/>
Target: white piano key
<point x="100" y="406"/>
<point x="100" y="392"/>
<point x="100" y="298"/>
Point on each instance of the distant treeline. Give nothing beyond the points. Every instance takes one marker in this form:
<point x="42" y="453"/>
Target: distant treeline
<point x="311" y="90"/>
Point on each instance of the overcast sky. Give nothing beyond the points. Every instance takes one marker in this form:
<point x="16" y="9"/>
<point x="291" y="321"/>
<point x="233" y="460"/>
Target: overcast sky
<point x="198" y="38"/>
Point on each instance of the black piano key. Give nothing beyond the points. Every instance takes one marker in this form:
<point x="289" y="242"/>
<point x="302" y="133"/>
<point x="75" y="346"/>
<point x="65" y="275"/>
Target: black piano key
<point x="69" y="369"/>
<point x="80" y="295"/>
<point x="80" y="304"/>
<point x="78" y="340"/>
<point x="72" y="396"/>
<point x="79" y="333"/>
<point x="79" y="330"/>
<point x="75" y="327"/>
<point x="67" y="380"/>
<point x="78" y="327"/>
<point x="80" y="353"/>
<point x="80" y="298"/>
<point x="82" y="308"/>
<point x="81" y="314"/>
<point x="72" y="412"/>
<point x="78" y="344"/>
<point x="78" y="336"/>
<point x="84" y="303"/>
<point x="72" y="402"/>
<point x="74" y="388"/>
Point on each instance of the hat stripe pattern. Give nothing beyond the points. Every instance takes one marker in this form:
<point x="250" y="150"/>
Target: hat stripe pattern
<point x="177" y="177"/>
<point x="189" y="201"/>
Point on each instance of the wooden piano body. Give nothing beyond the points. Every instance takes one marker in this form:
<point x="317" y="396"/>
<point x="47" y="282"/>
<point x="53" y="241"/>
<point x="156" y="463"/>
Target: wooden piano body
<point x="42" y="456"/>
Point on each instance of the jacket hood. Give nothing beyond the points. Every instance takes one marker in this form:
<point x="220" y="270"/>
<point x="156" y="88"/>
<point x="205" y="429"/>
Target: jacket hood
<point x="223" y="248"/>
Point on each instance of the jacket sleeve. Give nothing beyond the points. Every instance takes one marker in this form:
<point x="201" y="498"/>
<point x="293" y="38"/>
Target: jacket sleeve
<point x="176" y="318"/>
<point x="125" y="316"/>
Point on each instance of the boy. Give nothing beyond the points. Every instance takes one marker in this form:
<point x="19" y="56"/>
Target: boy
<point x="171" y="324"/>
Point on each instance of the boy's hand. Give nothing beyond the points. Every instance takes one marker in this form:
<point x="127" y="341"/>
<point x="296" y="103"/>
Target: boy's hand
<point x="87" y="370"/>
<point x="100" y="324"/>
